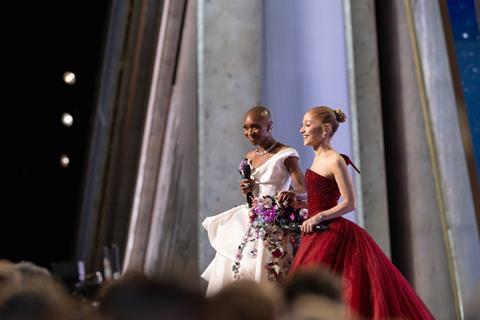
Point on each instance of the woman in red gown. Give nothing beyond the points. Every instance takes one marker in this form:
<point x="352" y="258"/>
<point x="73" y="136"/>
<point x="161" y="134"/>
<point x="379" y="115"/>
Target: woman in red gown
<point x="373" y="286"/>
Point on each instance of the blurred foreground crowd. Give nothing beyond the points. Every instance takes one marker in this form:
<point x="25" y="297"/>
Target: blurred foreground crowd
<point x="30" y="292"/>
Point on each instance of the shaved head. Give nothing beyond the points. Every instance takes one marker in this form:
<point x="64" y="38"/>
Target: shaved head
<point x="259" y="112"/>
<point x="257" y="125"/>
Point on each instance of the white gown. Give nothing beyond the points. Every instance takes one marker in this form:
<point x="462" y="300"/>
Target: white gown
<point x="226" y="230"/>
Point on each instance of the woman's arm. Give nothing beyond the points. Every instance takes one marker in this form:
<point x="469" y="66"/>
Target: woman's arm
<point x="291" y="163"/>
<point x="293" y="197"/>
<point x="345" y="185"/>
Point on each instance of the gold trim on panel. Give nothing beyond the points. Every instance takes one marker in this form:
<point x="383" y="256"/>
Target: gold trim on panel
<point x="448" y="240"/>
<point x="353" y="107"/>
<point x="462" y="110"/>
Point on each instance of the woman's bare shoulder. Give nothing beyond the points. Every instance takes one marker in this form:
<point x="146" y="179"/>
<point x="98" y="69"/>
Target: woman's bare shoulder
<point x="250" y="154"/>
<point x="335" y="159"/>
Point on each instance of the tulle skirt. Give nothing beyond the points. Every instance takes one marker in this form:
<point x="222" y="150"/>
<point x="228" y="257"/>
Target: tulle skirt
<point x="373" y="287"/>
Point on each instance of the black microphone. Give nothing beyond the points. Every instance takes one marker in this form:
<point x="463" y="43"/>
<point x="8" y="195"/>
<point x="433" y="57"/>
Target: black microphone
<point x="319" y="227"/>
<point x="245" y="172"/>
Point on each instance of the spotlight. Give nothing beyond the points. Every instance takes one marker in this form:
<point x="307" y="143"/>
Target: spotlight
<point x="67" y="119"/>
<point x="69" y="78"/>
<point x="64" y="161"/>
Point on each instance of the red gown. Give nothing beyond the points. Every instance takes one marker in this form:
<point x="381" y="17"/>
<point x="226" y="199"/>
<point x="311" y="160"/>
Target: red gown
<point x="373" y="286"/>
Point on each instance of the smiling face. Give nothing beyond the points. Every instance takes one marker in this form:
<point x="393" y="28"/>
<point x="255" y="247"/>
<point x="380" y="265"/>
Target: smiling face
<point x="312" y="130"/>
<point x="256" y="128"/>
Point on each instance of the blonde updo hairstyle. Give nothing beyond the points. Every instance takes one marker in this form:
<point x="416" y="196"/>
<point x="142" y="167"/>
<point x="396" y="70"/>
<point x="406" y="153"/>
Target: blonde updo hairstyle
<point x="329" y="115"/>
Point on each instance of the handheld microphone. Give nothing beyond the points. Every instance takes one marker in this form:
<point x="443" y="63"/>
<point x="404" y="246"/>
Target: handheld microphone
<point x="297" y="227"/>
<point x="245" y="173"/>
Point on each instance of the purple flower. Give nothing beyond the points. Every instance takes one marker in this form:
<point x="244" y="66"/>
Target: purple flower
<point x="271" y="224"/>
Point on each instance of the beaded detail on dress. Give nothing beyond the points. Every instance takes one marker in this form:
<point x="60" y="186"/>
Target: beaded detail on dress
<point x="323" y="193"/>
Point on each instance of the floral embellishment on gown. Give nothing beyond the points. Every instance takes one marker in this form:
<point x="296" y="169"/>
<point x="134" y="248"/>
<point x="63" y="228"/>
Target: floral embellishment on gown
<point x="278" y="228"/>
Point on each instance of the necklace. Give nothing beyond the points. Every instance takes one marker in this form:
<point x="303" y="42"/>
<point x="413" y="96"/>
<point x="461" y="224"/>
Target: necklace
<point x="261" y="153"/>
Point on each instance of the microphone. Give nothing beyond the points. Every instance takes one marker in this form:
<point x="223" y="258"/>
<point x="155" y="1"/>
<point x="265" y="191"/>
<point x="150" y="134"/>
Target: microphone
<point x="319" y="227"/>
<point x="245" y="172"/>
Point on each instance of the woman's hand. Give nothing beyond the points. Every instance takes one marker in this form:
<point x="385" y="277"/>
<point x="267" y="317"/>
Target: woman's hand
<point x="286" y="198"/>
<point x="246" y="186"/>
<point x="308" y="225"/>
<point x="291" y="199"/>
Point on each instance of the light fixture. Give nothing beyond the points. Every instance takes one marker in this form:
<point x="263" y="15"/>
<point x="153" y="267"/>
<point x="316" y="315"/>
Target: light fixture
<point x="67" y="119"/>
<point x="64" y="161"/>
<point x="69" y="78"/>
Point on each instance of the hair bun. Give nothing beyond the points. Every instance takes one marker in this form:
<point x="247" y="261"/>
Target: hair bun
<point x="341" y="117"/>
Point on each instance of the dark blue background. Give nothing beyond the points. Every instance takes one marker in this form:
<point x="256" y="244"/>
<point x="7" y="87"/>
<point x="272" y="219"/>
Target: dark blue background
<point x="465" y="29"/>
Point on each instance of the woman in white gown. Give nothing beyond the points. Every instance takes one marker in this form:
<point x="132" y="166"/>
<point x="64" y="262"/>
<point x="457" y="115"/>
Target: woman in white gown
<point x="274" y="169"/>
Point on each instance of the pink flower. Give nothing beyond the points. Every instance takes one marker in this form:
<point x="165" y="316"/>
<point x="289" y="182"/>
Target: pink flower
<point x="303" y="213"/>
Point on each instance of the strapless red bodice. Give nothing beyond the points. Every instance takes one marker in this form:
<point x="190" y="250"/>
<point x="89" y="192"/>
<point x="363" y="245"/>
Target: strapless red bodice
<point x="323" y="193"/>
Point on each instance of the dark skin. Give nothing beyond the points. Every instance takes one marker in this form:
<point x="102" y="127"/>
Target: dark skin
<point x="257" y="128"/>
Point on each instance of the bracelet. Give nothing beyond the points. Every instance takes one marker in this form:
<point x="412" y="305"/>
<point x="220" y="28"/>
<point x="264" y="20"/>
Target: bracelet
<point x="321" y="218"/>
